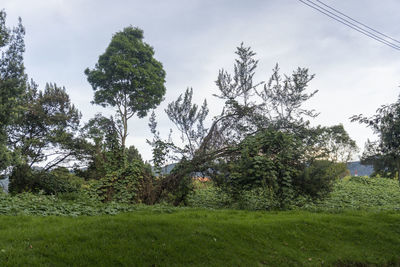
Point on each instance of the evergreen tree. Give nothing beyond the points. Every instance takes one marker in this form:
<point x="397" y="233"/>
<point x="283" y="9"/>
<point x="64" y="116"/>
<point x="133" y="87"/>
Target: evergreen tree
<point x="12" y="80"/>
<point x="44" y="129"/>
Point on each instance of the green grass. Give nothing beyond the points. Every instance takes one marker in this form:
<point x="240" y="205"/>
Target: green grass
<point x="357" y="225"/>
<point x="193" y="237"/>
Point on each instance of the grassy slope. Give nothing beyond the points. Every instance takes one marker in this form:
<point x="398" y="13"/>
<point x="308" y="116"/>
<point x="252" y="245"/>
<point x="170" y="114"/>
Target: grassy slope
<point x="189" y="237"/>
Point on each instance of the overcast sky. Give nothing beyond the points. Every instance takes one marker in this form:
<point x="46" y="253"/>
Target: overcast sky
<point x="195" y="38"/>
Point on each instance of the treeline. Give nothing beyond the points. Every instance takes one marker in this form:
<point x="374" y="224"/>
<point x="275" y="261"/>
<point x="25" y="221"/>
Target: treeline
<point x="262" y="138"/>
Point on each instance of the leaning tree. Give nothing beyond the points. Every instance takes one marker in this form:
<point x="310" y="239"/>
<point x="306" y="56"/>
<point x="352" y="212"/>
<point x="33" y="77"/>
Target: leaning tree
<point x="249" y="107"/>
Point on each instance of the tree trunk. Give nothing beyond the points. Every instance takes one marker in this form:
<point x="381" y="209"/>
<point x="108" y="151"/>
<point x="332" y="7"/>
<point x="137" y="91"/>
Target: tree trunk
<point x="398" y="170"/>
<point x="125" y="133"/>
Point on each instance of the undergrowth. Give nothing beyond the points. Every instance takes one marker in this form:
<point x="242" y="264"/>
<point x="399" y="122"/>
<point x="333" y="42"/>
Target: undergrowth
<point x="361" y="193"/>
<point x="46" y="205"/>
<point x="349" y="193"/>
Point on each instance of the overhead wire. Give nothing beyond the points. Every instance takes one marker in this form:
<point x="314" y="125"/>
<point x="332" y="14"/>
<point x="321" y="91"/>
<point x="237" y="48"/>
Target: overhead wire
<point x="350" y="24"/>
<point x="356" y="21"/>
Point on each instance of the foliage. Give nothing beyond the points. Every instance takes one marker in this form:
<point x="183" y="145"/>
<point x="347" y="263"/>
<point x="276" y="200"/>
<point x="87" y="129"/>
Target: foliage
<point x="282" y="101"/>
<point x="361" y="193"/>
<point x="130" y="184"/>
<point x="317" y="179"/>
<point x="128" y="77"/>
<point x="58" y="181"/>
<point x="269" y="160"/>
<point x="189" y="119"/>
<point x="247" y="109"/>
<point x="332" y="143"/>
<point x="213" y="197"/>
<point x="51" y="205"/>
<point x="160" y="148"/>
<point x="193" y="237"/>
<point x="12" y="80"/>
<point x="44" y="130"/>
<point x="257" y="199"/>
<point x="206" y="195"/>
<point x="177" y="192"/>
<point x="132" y="154"/>
<point x="102" y="152"/>
<point x="272" y="164"/>
<point x="384" y="153"/>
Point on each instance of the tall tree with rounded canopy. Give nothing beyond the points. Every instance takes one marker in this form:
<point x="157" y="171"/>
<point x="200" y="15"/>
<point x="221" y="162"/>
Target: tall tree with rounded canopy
<point x="128" y="78"/>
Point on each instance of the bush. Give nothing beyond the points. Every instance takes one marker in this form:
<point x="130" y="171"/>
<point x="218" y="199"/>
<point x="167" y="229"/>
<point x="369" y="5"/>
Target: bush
<point x="317" y="180"/>
<point x="20" y="179"/>
<point x="46" y="205"/>
<point x="273" y="164"/>
<point x="24" y="179"/>
<point x="206" y="195"/>
<point x="257" y="199"/>
<point x="269" y="159"/>
<point x="130" y="184"/>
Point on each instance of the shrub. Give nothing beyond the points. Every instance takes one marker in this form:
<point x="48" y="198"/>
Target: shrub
<point x="269" y="159"/>
<point x="206" y="195"/>
<point x="60" y="180"/>
<point x="317" y="179"/>
<point x="257" y="199"/>
<point x="130" y="184"/>
<point x="20" y="179"/>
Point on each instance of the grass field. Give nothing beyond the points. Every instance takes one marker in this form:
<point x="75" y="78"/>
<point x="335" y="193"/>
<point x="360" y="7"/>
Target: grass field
<point x="194" y="237"/>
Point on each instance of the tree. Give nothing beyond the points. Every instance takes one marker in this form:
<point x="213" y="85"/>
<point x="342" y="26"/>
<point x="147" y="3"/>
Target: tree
<point x="248" y="109"/>
<point x="133" y="154"/>
<point x="44" y="128"/>
<point x="253" y="106"/>
<point x="12" y="80"/>
<point x="189" y="119"/>
<point x="127" y="77"/>
<point x="332" y="143"/>
<point x="384" y="153"/>
<point x="282" y="101"/>
<point x="102" y="151"/>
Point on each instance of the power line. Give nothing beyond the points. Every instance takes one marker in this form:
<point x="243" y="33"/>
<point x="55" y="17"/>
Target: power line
<point x="349" y="24"/>
<point x="337" y="11"/>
